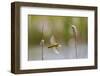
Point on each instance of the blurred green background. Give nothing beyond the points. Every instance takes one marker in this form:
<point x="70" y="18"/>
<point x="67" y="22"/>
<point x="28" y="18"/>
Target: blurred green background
<point x="44" y="27"/>
<point x="59" y="26"/>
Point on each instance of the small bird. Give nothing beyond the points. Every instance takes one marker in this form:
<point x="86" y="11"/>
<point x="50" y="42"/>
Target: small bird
<point x="54" y="45"/>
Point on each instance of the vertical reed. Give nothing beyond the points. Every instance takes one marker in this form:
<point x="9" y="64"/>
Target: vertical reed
<point x="74" y="28"/>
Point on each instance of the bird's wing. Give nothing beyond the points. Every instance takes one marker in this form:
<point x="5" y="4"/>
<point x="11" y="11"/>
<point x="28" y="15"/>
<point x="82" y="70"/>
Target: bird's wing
<point x="52" y="40"/>
<point x="55" y="50"/>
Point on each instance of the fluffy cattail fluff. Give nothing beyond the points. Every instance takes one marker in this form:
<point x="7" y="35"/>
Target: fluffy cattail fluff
<point x="74" y="28"/>
<point x="42" y="42"/>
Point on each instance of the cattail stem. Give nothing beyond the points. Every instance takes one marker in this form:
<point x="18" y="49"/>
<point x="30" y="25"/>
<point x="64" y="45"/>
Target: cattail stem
<point x="42" y="42"/>
<point x="42" y="52"/>
<point x="76" y="45"/>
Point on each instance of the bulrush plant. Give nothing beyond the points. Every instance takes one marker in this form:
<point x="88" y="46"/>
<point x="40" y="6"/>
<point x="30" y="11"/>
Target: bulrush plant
<point x="42" y="42"/>
<point x="75" y="33"/>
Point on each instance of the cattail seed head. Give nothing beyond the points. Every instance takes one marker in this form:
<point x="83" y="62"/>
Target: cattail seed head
<point x="42" y="41"/>
<point x="74" y="28"/>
